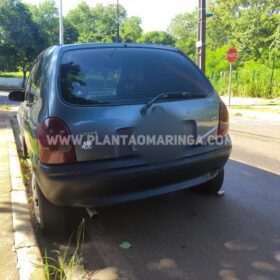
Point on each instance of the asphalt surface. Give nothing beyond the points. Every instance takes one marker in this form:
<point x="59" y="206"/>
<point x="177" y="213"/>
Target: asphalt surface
<point x="4" y="99"/>
<point x="256" y="143"/>
<point x="189" y="236"/>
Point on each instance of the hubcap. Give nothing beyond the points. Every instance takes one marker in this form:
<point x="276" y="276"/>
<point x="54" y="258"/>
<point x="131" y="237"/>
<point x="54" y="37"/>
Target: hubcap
<point x="35" y="199"/>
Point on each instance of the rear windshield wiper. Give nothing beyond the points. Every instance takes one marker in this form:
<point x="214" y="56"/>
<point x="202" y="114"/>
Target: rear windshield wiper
<point x="175" y="94"/>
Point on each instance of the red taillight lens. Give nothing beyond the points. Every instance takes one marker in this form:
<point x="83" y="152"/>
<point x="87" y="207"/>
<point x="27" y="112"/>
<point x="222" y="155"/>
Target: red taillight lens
<point x="223" y="120"/>
<point x="55" y="143"/>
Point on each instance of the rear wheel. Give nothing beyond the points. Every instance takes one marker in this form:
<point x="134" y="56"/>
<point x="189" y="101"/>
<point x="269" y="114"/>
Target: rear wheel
<point x="24" y="148"/>
<point x="51" y="218"/>
<point x="213" y="186"/>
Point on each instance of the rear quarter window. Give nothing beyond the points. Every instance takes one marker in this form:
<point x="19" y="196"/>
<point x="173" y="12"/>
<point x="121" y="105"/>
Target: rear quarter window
<point x="123" y="75"/>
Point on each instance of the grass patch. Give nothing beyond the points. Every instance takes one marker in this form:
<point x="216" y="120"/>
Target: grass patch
<point x="273" y="102"/>
<point x="259" y="108"/>
<point x="12" y="74"/>
<point x="26" y="170"/>
<point x="5" y="107"/>
<point x="65" y="264"/>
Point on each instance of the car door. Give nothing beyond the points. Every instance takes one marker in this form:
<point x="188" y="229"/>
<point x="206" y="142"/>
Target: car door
<point x="32" y="106"/>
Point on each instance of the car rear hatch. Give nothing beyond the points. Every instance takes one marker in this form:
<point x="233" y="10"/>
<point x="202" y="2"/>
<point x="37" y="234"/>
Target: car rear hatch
<point x="102" y="93"/>
<point x="199" y="118"/>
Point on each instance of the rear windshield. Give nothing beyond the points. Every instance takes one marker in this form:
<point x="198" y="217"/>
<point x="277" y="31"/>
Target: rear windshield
<point x="120" y="75"/>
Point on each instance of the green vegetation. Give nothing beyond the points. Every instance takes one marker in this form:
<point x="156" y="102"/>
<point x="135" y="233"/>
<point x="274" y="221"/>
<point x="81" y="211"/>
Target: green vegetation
<point x="4" y="107"/>
<point x="65" y="262"/>
<point x="251" y="26"/>
<point x="183" y="28"/>
<point x="26" y="170"/>
<point x="156" y="37"/>
<point x="252" y="79"/>
<point x="19" y="36"/>
<point x="12" y="74"/>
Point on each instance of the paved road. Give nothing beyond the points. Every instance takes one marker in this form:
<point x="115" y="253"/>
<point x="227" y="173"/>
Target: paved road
<point x="257" y="143"/>
<point x="4" y="99"/>
<point x="188" y="236"/>
<point x="10" y="82"/>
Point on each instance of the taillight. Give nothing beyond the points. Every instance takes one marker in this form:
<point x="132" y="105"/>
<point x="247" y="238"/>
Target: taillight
<point x="54" y="142"/>
<point x="223" y="120"/>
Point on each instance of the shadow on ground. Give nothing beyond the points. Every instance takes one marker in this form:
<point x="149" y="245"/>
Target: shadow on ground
<point x="189" y="236"/>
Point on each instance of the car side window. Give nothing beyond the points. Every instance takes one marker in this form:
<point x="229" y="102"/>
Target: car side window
<point x="28" y="89"/>
<point x="34" y="83"/>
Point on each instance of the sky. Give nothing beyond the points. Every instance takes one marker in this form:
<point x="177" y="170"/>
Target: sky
<point x="155" y="14"/>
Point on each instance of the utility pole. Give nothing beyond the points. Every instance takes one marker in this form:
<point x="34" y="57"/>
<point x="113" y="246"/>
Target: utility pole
<point x="61" y="29"/>
<point x="201" y="35"/>
<point x="118" y="22"/>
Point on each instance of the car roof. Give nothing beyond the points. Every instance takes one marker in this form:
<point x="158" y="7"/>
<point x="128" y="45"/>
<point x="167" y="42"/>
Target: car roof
<point x="62" y="48"/>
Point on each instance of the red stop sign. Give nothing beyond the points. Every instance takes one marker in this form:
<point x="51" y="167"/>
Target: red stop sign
<point x="232" y="55"/>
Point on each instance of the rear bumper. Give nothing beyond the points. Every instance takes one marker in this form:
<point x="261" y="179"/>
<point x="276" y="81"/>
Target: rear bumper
<point x="88" y="184"/>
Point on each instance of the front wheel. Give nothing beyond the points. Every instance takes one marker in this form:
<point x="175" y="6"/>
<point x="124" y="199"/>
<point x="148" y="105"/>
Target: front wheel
<point x="213" y="186"/>
<point x="51" y="218"/>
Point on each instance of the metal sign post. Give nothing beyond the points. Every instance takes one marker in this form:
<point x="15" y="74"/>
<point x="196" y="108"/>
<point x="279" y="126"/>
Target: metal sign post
<point x="229" y="84"/>
<point x="232" y="56"/>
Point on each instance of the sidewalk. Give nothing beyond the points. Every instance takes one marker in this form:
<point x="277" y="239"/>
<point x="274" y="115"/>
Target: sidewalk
<point x="8" y="258"/>
<point x="250" y="101"/>
<point x="254" y="108"/>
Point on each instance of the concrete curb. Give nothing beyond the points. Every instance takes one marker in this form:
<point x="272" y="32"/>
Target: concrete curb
<point x="29" y="258"/>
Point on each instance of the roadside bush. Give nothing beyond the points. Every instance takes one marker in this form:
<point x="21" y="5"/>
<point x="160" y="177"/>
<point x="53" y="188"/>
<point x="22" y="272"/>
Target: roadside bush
<point x="253" y="79"/>
<point x="12" y="74"/>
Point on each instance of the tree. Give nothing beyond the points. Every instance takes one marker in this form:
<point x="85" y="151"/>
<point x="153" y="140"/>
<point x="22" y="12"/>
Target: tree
<point x="131" y="30"/>
<point x="248" y="25"/>
<point x="71" y="33"/>
<point x="216" y="61"/>
<point x="20" y="37"/>
<point x="184" y="29"/>
<point x="106" y="17"/>
<point x="98" y="24"/>
<point x="81" y="20"/>
<point x="45" y="15"/>
<point x="157" y="37"/>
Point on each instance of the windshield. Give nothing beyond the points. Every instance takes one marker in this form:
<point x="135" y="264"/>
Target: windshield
<point x="118" y="75"/>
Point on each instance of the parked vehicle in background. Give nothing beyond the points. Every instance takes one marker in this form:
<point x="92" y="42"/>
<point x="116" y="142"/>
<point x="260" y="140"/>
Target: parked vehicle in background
<point x="109" y="90"/>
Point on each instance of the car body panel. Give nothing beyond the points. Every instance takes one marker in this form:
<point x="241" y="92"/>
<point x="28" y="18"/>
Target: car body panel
<point x="108" y="120"/>
<point x="105" y="182"/>
<point x="90" y="181"/>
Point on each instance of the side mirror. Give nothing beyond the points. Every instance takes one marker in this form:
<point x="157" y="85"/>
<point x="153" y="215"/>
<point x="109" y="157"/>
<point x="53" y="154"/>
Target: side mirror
<point x="16" y="95"/>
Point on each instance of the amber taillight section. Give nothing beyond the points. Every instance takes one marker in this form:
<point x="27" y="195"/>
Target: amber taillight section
<point x="54" y="142"/>
<point x="223" y="120"/>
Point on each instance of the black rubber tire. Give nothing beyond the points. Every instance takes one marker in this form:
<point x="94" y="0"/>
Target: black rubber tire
<point x="213" y="186"/>
<point x="52" y="217"/>
<point x="24" y="147"/>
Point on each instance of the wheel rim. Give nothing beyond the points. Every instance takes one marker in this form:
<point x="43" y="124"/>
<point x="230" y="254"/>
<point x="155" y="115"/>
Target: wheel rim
<point x="36" y="205"/>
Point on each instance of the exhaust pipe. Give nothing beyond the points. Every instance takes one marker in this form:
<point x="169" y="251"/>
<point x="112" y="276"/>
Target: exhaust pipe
<point x="92" y="212"/>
